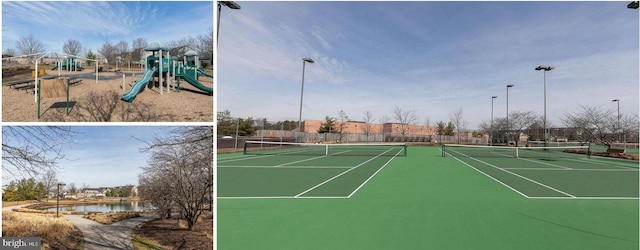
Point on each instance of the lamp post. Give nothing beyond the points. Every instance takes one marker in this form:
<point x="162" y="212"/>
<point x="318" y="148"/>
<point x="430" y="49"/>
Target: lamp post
<point x="508" y="127"/>
<point x="618" y="101"/>
<point x="304" y="60"/>
<point x="232" y="5"/>
<point x="544" y="120"/>
<point x="58" y="198"/>
<point x="491" y="128"/>
<point x="633" y="5"/>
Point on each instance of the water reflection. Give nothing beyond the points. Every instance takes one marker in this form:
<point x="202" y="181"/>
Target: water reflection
<point x="110" y="207"/>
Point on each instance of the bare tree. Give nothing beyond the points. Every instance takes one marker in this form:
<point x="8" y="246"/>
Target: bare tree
<point x="343" y="119"/>
<point x="205" y="44"/>
<point x="138" y="46"/>
<point x="9" y="52"/>
<point x="521" y="120"/>
<point x="109" y="51"/>
<point x="72" y="47"/>
<point x="72" y="188"/>
<point x="29" y="45"/>
<point x="592" y="124"/>
<point x="180" y="170"/>
<point x="122" y="48"/>
<point x="31" y="150"/>
<point x="49" y="180"/>
<point x="458" y="121"/>
<point x="404" y="118"/>
<point x="367" y="117"/>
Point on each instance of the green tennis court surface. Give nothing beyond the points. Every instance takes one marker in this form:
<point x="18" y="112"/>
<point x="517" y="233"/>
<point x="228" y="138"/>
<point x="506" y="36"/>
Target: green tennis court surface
<point x="425" y="201"/>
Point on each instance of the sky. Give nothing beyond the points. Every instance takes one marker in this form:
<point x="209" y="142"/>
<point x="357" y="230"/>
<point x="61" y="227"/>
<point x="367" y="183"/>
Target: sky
<point x="430" y="57"/>
<point x="105" y="156"/>
<point x="93" y="23"/>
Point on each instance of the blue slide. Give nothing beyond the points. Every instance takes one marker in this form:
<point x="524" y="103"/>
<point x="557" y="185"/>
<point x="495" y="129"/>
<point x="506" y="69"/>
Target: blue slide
<point x="138" y="86"/>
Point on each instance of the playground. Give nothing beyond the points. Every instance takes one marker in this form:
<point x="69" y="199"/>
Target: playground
<point x="72" y="89"/>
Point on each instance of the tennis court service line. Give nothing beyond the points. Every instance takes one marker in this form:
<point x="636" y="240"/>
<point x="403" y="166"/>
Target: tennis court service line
<point x="340" y="174"/>
<point x="517" y="175"/>
<point x="545" y="163"/>
<point x="242" y="158"/>
<point x="310" y="159"/>
<point x="300" y="167"/>
<point x="374" y="174"/>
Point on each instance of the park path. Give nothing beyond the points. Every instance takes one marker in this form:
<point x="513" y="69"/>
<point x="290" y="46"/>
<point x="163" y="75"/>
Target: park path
<point x="114" y="236"/>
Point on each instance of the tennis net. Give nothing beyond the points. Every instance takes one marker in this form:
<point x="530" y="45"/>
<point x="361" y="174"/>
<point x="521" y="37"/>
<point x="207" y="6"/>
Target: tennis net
<point x="515" y="152"/>
<point x="289" y="148"/>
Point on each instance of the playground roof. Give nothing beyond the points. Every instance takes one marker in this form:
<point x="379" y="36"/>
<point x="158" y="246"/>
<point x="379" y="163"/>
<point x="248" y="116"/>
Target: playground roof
<point x="155" y="46"/>
<point x="191" y="53"/>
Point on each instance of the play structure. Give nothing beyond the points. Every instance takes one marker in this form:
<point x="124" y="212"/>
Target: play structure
<point x="160" y="67"/>
<point x="69" y="63"/>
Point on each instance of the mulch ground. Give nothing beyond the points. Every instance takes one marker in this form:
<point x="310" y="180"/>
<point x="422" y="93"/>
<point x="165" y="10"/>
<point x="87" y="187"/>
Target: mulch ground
<point x="169" y="234"/>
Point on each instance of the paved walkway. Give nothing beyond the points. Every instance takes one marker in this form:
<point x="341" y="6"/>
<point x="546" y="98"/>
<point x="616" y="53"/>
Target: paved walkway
<point x="114" y="236"/>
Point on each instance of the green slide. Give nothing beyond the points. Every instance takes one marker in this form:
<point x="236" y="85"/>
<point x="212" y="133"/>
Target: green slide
<point x="202" y="72"/>
<point x="196" y="83"/>
<point x="138" y="86"/>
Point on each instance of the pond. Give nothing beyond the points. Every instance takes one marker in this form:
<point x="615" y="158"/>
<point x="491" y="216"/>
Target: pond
<point x="110" y="207"/>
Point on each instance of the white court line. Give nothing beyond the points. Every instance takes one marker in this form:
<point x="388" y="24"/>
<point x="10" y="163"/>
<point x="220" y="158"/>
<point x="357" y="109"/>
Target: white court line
<point x="300" y="167"/>
<point x="310" y="159"/>
<point x="586" y="198"/>
<point x="282" y="197"/>
<point x="577" y="169"/>
<point x="525" y="178"/>
<point x="243" y="158"/>
<point x="545" y="163"/>
<point x="374" y="174"/>
<point x="487" y="175"/>
<point x="603" y="163"/>
<point x="349" y="170"/>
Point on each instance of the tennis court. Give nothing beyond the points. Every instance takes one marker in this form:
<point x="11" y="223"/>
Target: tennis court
<point x="425" y="201"/>
<point x="557" y="172"/>
<point x="290" y="170"/>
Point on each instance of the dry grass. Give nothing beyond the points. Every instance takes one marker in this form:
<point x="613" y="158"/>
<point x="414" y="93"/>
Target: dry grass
<point x="110" y="218"/>
<point x="38" y="211"/>
<point x="56" y="233"/>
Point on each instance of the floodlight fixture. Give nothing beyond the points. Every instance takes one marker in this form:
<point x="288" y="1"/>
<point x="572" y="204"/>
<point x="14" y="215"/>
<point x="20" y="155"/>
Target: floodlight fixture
<point x="545" y="68"/>
<point x="633" y="5"/>
<point x="309" y="60"/>
<point x="231" y="4"/>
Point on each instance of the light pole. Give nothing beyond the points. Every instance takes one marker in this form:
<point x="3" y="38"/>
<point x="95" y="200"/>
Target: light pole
<point x="304" y="60"/>
<point x="544" y="120"/>
<point x="491" y="128"/>
<point x="58" y="198"/>
<point x="232" y="5"/>
<point x="633" y="5"/>
<point x="618" y="101"/>
<point x="508" y="127"/>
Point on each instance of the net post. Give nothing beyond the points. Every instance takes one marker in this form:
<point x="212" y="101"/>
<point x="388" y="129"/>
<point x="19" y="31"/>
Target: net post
<point x="405" y="149"/>
<point x="244" y="147"/>
<point x="326" y="149"/>
<point x="442" y="150"/>
<point x="589" y="150"/>
<point x="518" y="152"/>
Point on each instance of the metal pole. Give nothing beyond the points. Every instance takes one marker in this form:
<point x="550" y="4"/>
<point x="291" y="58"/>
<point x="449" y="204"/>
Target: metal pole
<point x="301" y="96"/>
<point x="58" y="200"/>
<point x="544" y="121"/>
<point x="491" y="128"/>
